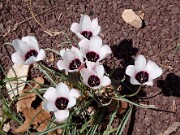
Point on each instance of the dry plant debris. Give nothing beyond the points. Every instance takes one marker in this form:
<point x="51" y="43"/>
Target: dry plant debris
<point x="20" y="72"/>
<point x="171" y="129"/>
<point x="123" y="107"/>
<point x="132" y="18"/>
<point x="6" y="127"/>
<point x="27" y="98"/>
<point x="38" y="118"/>
<point x="141" y="14"/>
<point x="52" y="57"/>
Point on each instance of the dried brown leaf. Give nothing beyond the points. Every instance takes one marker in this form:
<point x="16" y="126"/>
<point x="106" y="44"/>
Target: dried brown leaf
<point x="141" y="14"/>
<point x="174" y="106"/>
<point x="27" y="98"/>
<point x="38" y="118"/>
<point x="52" y="57"/>
<point x="123" y="107"/>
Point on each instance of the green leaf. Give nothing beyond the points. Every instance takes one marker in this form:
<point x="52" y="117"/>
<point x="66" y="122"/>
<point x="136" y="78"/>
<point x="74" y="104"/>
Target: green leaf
<point x="136" y="104"/>
<point x="124" y="121"/>
<point x="109" y="129"/>
<point x="92" y="131"/>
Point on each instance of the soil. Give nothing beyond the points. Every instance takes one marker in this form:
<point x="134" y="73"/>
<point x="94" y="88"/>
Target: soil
<point x="158" y="40"/>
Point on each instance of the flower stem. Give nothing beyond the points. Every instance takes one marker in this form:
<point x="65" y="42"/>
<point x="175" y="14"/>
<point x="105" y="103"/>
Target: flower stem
<point x="134" y="94"/>
<point x="42" y="70"/>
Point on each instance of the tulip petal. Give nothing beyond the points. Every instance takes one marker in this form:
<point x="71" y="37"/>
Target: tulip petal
<point x="84" y="42"/>
<point x="49" y="106"/>
<point x="91" y="65"/>
<point x="62" y="65"/>
<point x="96" y="31"/>
<point x="32" y="42"/>
<point x="95" y="44"/>
<point x="74" y="93"/>
<point x="153" y="69"/>
<point x="68" y="56"/>
<point x="140" y="63"/>
<point x="105" y="81"/>
<point x="84" y="46"/>
<point x="134" y="81"/>
<point x="50" y="94"/>
<point x="80" y="36"/>
<point x="72" y="102"/>
<point x="41" y="55"/>
<point x="77" y="53"/>
<point x="76" y="28"/>
<point x="130" y="70"/>
<point x="17" y="58"/>
<point x="61" y="115"/>
<point x="85" y="73"/>
<point x="30" y="60"/>
<point x="86" y="23"/>
<point x="95" y="87"/>
<point x="100" y="71"/>
<point x="104" y="51"/>
<point x="62" y="90"/>
<point x="20" y="46"/>
<point x="94" y="23"/>
<point x="150" y="83"/>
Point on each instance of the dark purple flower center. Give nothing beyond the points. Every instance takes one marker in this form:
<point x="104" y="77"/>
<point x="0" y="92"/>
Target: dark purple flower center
<point x="92" y="56"/>
<point x="93" y="81"/>
<point x="74" y="64"/>
<point x="142" y="76"/>
<point x="87" y="34"/>
<point x="31" y="53"/>
<point x="61" y="103"/>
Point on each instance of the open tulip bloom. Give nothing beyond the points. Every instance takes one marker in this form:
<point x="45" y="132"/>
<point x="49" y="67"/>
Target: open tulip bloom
<point x="72" y="60"/>
<point x="94" y="77"/>
<point x="86" y="28"/>
<point x="59" y="100"/>
<point x="27" y="51"/>
<point x="93" y="50"/>
<point x="143" y="72"/>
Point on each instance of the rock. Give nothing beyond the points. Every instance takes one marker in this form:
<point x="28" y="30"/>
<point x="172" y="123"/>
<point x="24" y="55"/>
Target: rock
<point x="131" y="18"/>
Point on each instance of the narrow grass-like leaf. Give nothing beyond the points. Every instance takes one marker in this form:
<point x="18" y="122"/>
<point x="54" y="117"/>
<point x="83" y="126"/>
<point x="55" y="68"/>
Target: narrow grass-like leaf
<point x="74" y="130"/>
<point x="50" y="124"/>
<point x="2" y="132"/>
<point x="8" y="112"/>
<point x="136" y="104"/>
<point x="50" y="129"/>
<point x="124" y="121"/>
<point x="92" y="131"/>
<point x="85" y="125"/>
<point x="107" y="131"/>
<point x="47" y="75"/>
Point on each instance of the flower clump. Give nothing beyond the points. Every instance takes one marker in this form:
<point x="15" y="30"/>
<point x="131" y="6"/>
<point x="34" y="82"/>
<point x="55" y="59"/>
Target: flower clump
<point x="84" y="59"/>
